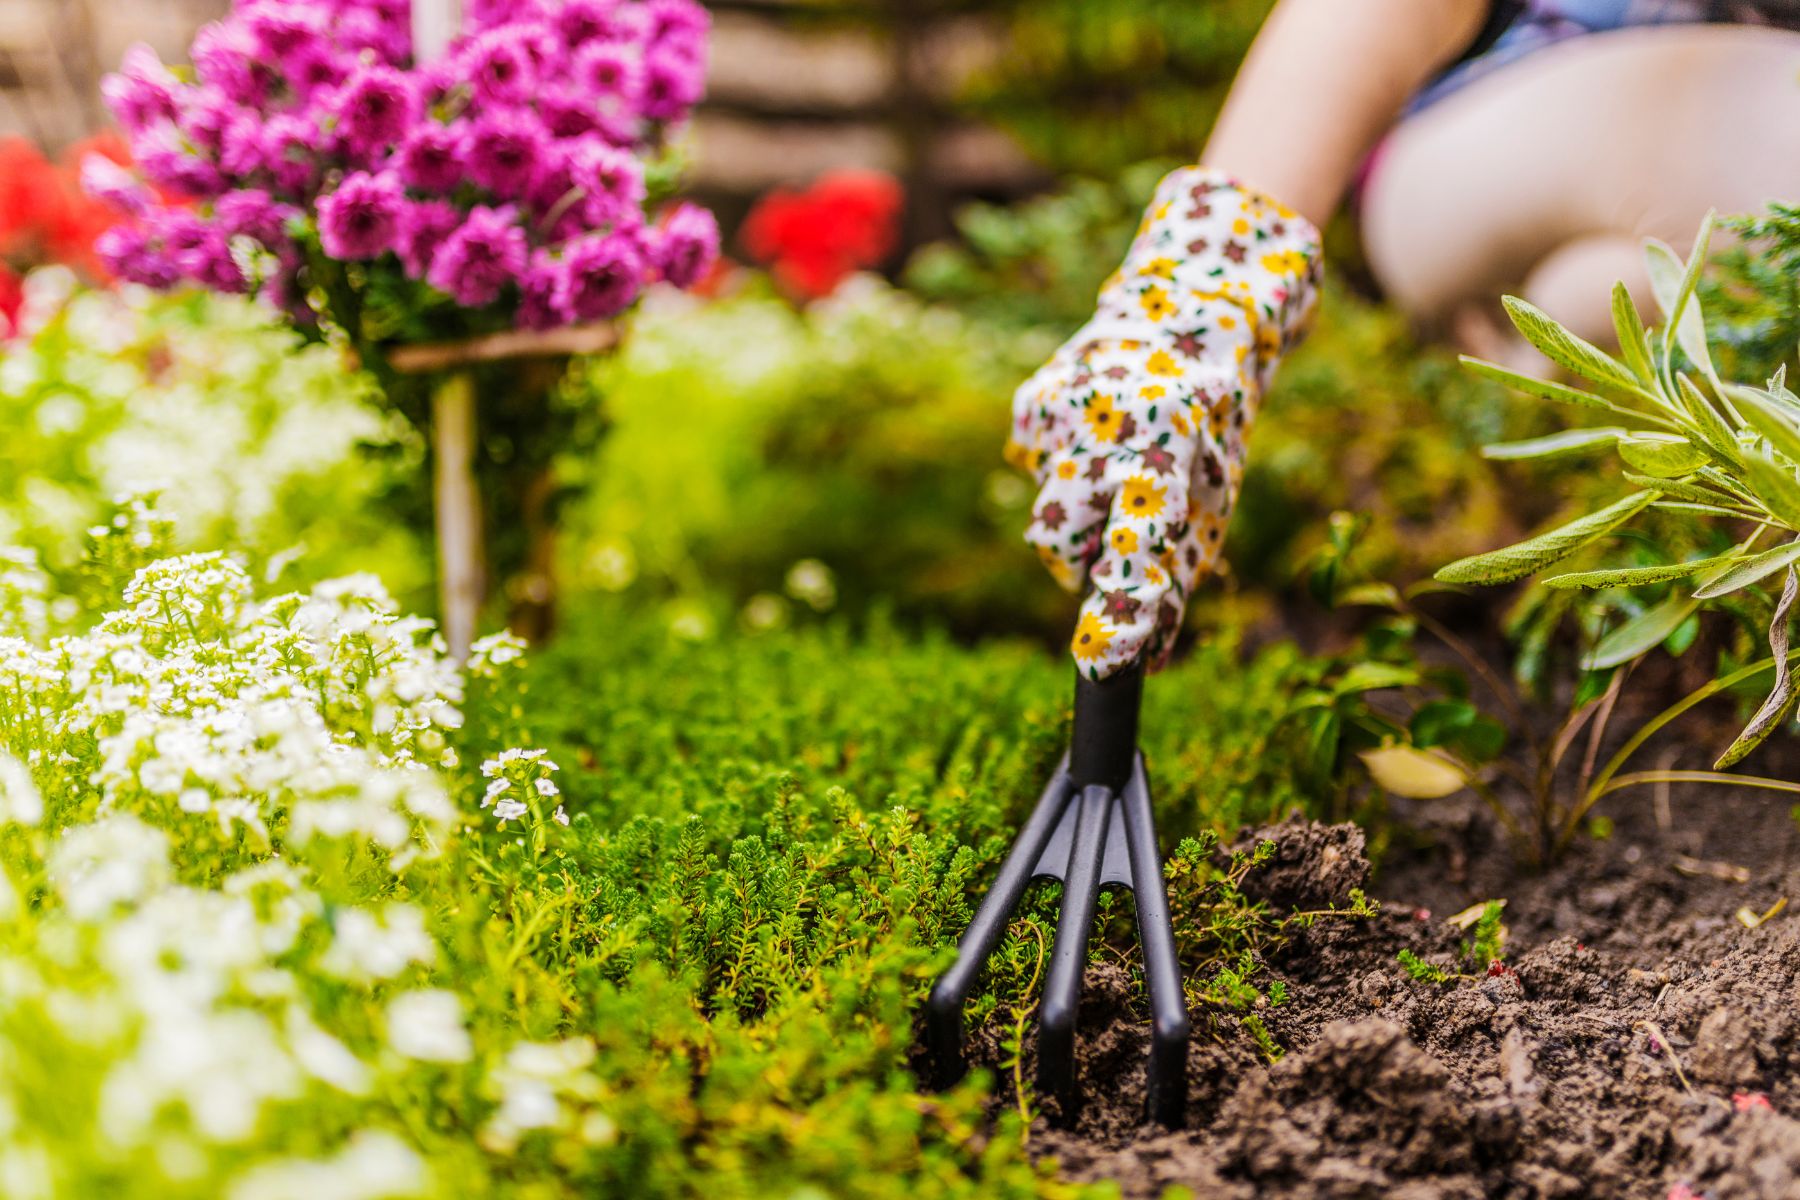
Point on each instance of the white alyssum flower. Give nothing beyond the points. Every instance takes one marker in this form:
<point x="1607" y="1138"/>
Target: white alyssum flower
<point x="428" y="1025"/>
<point x="487" y="655"/>
<point x="518" y="784"/>
<point x="373" y="1166"/>
<point x="20" y="803"/>
<point x="116" y="860"/>
<point x="367" y="945"/>
<point x="220" y="786"/>
<point x="545" y="1085"/>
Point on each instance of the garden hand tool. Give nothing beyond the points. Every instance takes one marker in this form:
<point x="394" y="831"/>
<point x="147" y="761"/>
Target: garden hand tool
<point x="1091" y="828"/>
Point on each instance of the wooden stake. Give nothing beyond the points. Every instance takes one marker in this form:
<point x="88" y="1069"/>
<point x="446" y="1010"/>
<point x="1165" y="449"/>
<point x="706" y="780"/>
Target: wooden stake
<point x="458" y="509"/>
<point x="434" y="25"/>
<point x="454" y="495"/>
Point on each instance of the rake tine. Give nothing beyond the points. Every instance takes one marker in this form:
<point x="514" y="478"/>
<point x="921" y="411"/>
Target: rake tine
<point x="1170" y="1027"/>
<point x="1068" y="955"/>
<point x="944" y="1010"/>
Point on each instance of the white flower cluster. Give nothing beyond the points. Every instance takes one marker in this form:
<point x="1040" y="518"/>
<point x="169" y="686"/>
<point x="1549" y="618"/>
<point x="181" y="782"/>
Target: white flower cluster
<point x="321" y="710"/>
<point x="211" y="807"/>
<point x="546" y="1085"/>
<point x="24" y="603"/>
<point x="519" y="785"/>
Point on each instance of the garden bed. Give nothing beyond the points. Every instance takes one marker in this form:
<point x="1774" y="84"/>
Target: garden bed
<point x="1547" y="1076"/>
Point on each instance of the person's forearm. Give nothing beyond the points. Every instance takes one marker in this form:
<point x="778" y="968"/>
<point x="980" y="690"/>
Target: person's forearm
<point x="1324" y="80"/>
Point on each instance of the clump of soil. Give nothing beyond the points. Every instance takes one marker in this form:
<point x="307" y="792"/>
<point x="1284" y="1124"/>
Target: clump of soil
<point x="1638" y="1041"/>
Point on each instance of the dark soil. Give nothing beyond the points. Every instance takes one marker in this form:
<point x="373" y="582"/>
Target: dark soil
<point x="1549" y="1077"/>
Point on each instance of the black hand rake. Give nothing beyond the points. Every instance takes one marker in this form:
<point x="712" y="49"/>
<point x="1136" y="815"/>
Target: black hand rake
<point x="1092" y="827"/>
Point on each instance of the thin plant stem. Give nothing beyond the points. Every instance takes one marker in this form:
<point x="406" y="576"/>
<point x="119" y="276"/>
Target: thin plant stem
<point x="1725" y="777"/>
<point x="1502" y="691"/>
<point x="1600" y="786"/>
<point x="1018" y="1065"/>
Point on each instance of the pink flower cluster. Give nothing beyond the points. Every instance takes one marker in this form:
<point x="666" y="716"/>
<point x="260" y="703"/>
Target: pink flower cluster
<point x="507" y="173"/>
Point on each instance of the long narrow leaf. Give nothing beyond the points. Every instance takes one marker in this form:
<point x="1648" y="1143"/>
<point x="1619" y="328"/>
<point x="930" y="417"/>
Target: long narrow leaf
<point x="1546" y="389"/>
<point x="1663" y="455"/>
<point x="1534" y="554"/>
<point x="1749" y="571"/>
<point x="1682" y="489"/>
<point x="1775" y="487"/>
<point x="1780" y="704"/>
<point x="1638" y="576"/>
<point x="1567" y="350"/>
<point x="1768" y="417"/>
<point x="1641" y="634"/>
<point x="1634" y="343"/>
<point x="1554" y="445"/>
<point x="1706" y="421"/>
<point x="1674" y="282"/>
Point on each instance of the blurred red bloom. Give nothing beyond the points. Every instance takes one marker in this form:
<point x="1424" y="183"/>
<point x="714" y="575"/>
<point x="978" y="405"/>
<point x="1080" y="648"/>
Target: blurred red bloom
<point x="12" y="299"/>
<point x="45" y="217"/>
<point x="846" y="221"/>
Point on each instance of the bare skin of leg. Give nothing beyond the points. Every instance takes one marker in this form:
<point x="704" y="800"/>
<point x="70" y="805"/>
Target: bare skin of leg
<point x="1544" y="178"/>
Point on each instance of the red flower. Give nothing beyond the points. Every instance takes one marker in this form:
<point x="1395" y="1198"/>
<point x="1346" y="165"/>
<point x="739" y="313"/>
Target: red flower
<point x="12" y="298"/>
<point x="846" y="221"/>
<point x="45" y="216"/>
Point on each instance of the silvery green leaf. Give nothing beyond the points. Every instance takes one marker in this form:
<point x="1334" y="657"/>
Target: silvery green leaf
<point x="1706" y="422"/>
<point x="1674" y="284"/>
<point x="1555" y="445"/>
<point x="1749" y="571"/>
<point x="1641" y="634"/>
<point x="1547" y="390"/>
<point x="1780" y="704"/>
<point x="1638" y="576"/>
<point x="1663" y="455"/>
<point x="1680" y="488"/>
<point x="1634" y="343"/>
<point x="1567" y="350"/>
<point x="1775" y="486"/>
<point x="1769" y="417"/>
<point x="1665" y="269"/>
<point x="1546" y="549"/>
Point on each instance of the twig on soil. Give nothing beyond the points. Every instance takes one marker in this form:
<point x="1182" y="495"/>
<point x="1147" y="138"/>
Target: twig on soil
<point x="1660" y="1040"/>
<point x="1695" y="868"/>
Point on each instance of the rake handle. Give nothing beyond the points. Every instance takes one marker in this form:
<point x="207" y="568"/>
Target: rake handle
<point x="1103" y="743"/>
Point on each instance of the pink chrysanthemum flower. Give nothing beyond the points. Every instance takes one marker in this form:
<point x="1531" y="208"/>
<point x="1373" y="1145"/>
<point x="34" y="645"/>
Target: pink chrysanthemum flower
<point x="361" y="219"/>
<point x="480" y="257"/>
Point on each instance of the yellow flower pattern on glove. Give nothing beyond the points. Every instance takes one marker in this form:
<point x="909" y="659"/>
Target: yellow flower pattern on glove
<point x="1135" y="429"/>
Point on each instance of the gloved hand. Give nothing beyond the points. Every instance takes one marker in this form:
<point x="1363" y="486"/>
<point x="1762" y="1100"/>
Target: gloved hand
<point x="1135" y="428"/>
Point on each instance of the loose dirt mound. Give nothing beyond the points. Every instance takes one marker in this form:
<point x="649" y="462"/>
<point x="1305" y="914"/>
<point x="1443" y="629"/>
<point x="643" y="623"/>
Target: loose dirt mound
<point x="1639" y="1042"/>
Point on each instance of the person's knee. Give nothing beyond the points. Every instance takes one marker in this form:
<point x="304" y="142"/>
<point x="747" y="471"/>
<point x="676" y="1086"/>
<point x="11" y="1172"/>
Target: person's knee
<point x="1574" y="283"/>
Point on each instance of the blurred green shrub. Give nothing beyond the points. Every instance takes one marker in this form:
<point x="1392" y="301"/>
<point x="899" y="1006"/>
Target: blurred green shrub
<point x="1096" y="86"/>
<point x="1752" y="296"/>
<point x="1041" y="261"/>
<point x="862" y="434"/>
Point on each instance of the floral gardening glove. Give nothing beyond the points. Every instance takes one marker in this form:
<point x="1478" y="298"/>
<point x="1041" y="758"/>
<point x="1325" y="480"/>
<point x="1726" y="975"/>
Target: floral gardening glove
<point x="1135" y="428"/>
